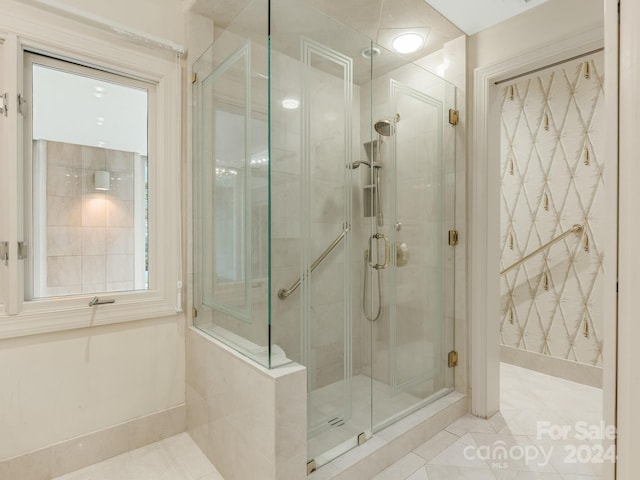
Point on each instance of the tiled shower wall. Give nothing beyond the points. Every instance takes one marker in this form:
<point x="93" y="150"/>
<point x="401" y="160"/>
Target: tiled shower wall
<point x="552" y="170"/>
<point x="326" y="144"/>
<point x="87" y="236"/>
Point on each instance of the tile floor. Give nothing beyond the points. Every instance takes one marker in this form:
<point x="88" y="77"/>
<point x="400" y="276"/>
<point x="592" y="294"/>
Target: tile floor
<point x="175" y="458"/>
<point x="526" y="398"/>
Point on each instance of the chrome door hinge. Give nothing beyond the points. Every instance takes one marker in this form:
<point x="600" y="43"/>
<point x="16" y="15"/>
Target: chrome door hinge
<point x="194" y="312"/>
<point x="194" y="77"/>
<point x="21" y="103"/>
<point x="454" y="116"/>
<point x="362" y="438"/>
<point x="453" y="359"/>
<point x="4" y="104"/>
<point x="453" y="237"/>
<point x="4" y="252"/>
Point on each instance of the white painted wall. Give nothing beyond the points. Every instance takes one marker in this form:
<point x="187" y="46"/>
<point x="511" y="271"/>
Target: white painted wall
<point x="61" y="385"/>
<point x="544" y="24"/>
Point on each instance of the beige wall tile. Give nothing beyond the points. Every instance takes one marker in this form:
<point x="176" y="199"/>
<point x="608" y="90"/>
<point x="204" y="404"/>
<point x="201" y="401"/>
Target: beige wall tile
<point x="64" y="181"/>
<point x="32" y="466"/>
<point x="122" y="186"/>
<point x="63" y="154"/>
<point x="119" y="268"/>
<point x="119" y="286"/>
<point x="64" y="211"/>
<point x="118" y="161"/>
<point x="255" y="421"/>
<point x="61" y="291"/>
<point x="64" y="241"/>
<point x="93" y="158"/>
<point x="155" y="427"/>
<point x="64" y="271"/>
<point x="93" y="210"/>
<point x="94" y="271"/>
<point x="119" y="240"/>
<point x="119" y="213"/>
<point x="90" y="449"/>
<point x="93" y="241"/>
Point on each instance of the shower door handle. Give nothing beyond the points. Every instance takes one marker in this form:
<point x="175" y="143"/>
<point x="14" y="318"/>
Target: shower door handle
<point x="387" y="251"/>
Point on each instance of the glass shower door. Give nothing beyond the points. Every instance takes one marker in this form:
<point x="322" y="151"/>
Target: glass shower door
<point x="319" y="84"/>
<point x="413" y="337"/>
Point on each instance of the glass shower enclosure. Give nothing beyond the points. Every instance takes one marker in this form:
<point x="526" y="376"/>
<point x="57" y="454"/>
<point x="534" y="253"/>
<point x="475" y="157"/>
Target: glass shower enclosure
<point x="323" y="195"/>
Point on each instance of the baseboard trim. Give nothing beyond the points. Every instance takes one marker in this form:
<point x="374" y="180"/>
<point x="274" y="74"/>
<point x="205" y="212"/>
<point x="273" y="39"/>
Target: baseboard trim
<point x="70" y="455"/>
<point x="554" y="366"/>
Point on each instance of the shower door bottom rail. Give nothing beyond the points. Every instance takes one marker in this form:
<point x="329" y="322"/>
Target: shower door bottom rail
<point x="283" y="294"/>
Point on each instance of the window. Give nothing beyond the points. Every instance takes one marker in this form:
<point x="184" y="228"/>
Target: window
<point x="90" y="155"/>
<point x="86" y="195"/>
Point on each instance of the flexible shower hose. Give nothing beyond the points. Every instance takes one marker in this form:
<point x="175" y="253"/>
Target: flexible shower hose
<point x="364" y="290"/>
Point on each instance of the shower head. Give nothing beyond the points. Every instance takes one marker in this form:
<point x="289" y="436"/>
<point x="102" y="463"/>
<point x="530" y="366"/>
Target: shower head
<point x="383" y="127"/>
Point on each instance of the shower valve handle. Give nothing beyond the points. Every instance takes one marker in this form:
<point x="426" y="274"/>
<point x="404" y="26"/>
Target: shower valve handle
<point x="387" y="251"/>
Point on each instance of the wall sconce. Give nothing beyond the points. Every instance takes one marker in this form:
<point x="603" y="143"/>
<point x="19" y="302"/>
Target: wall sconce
<point x="102" y="180"/>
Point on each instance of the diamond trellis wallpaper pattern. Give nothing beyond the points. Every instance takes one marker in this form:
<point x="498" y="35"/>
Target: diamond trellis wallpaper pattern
<point x="552" y="170"/>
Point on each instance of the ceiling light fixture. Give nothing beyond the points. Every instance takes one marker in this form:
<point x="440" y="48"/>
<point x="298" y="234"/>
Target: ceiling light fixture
<point x="370" y="52"/>
<point x="407" y="42"/>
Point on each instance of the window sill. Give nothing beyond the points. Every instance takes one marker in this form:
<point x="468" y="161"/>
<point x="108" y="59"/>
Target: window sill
<point x="48" y="316"/>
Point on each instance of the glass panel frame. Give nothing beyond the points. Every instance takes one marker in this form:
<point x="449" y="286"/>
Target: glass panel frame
<point x="232" y="79"/>
<point x="215" y="174"/>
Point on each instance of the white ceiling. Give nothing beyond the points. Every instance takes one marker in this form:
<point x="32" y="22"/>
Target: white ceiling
<point x="472" y="16"/>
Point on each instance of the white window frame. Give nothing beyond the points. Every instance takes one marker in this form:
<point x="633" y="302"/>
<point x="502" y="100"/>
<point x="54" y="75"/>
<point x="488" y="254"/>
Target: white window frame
<point x="58" y="37"/>
<point x="35" y="224"/>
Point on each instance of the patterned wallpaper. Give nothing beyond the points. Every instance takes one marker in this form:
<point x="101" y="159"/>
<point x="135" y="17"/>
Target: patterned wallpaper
<point x="552" y="170"/>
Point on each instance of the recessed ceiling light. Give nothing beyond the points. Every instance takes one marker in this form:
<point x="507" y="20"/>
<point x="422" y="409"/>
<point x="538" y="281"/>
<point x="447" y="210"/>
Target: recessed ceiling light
<point x="290" y="103"/>
<point x="98" y="95"/>
<point x="98" y="89"/>
<point x="407" y="42"/>
<point x="370" y="52"/>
